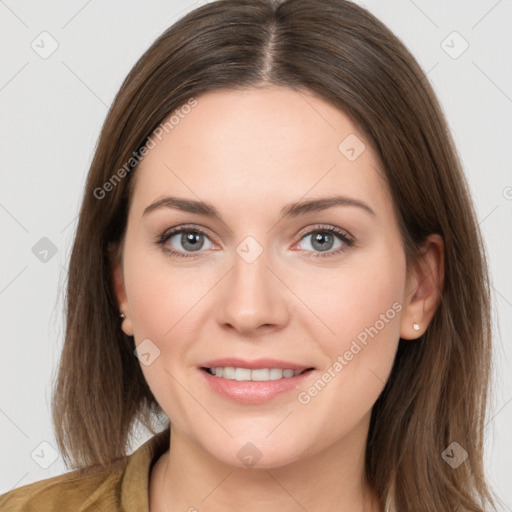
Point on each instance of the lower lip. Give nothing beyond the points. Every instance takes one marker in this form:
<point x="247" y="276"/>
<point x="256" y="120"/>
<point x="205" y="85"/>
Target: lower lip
<point x="253" y="392"/>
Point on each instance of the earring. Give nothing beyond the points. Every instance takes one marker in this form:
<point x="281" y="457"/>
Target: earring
<point x="416" y="327"/>
<point x="122" y="315"/>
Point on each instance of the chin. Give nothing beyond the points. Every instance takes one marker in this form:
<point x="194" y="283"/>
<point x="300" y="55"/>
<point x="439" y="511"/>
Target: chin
<point x="258" y="454"/>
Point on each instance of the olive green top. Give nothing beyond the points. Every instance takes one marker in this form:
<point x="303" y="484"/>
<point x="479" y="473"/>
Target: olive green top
<point x="123" y="488"/>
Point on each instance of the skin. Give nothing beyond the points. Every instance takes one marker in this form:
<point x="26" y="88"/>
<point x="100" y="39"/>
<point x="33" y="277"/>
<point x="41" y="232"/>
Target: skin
<point x="249" y="153"/>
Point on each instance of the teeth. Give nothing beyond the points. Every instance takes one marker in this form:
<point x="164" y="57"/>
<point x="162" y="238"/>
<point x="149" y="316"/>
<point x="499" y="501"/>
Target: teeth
<point x="259" y="374"/>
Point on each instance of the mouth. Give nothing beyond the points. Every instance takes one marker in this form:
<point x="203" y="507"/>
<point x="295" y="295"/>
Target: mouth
<point x="253" y="386"/>
<point x="241" y="374"/>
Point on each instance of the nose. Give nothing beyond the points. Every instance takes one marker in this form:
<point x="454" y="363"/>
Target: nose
<point x="253" y="297"/>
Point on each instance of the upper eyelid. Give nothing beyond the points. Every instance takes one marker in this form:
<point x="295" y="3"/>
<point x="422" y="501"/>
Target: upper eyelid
<point x="325" y="227"/>
<point x="168" y="233"/>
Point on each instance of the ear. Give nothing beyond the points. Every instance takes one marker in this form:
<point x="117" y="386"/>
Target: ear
<point x="424" y="288"/>
<point x="116" y="267"/>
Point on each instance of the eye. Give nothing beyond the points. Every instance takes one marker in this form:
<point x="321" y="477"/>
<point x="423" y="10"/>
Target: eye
<point x="183" y="240"/>
<point x="324" y="238"/>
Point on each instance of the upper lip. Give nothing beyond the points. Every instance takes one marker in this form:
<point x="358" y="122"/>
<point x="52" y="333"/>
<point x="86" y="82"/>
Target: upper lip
<point x="235" y="362"/>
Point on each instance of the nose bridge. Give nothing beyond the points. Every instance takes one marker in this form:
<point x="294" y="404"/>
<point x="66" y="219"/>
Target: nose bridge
<point x="251" y="294"/>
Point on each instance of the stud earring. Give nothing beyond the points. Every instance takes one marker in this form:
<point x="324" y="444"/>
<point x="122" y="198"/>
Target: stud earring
<point x="122" y="315"/>
<point x="416" y="327"/>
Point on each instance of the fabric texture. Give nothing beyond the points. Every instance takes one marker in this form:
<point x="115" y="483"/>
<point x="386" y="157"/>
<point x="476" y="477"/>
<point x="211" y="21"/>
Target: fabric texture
<point x="121" y="489"/>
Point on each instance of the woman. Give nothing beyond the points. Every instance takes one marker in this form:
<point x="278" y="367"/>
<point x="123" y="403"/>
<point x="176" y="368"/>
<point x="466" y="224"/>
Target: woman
<point x="277" y="251"/>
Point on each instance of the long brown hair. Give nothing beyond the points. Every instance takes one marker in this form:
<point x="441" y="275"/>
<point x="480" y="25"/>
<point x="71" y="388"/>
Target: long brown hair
<point x="438" y="388"/>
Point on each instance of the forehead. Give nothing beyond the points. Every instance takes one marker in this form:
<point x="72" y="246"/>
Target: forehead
<point x="274" y="144"/>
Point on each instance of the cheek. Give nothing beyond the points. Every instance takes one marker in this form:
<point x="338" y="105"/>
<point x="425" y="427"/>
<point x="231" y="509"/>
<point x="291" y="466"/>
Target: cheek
<point x="163" y="302"/>
<point x="166" y="303"/>
<point x="359" y="308"/>
<point x="363" y="308"/>
<point x="161" y="294"/>
<point x="364" y="290"/>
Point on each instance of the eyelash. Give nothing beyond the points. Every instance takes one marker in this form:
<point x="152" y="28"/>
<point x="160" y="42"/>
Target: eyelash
<point x="342" y="235"/>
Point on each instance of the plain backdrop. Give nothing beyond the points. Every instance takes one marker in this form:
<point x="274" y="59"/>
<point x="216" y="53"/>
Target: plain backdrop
<point x="52" y="109"/>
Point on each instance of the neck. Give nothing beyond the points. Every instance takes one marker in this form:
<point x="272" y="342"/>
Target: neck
<point x="187" y="478"/>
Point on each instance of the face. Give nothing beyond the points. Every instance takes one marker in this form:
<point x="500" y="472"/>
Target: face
<point x="318" y="287"/>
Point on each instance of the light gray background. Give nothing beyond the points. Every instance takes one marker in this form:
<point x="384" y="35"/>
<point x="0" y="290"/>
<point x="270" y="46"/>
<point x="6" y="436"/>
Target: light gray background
<point x="52" y="111"/>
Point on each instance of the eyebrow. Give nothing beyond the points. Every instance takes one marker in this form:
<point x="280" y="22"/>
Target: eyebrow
<point x="290" y="210"/>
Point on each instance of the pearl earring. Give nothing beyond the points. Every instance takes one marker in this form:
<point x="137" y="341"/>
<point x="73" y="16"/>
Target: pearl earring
<point x="416" y="327"/>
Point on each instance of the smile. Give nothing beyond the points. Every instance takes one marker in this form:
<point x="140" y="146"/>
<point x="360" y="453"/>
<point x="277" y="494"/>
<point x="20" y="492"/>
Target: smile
<point x="256" y="385"/>
<point x="255" y="374"/>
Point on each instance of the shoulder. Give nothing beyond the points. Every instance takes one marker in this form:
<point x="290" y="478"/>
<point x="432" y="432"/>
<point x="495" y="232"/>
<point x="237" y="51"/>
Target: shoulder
<point x="123" y="486"/>
<point x="77" y="491"/>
